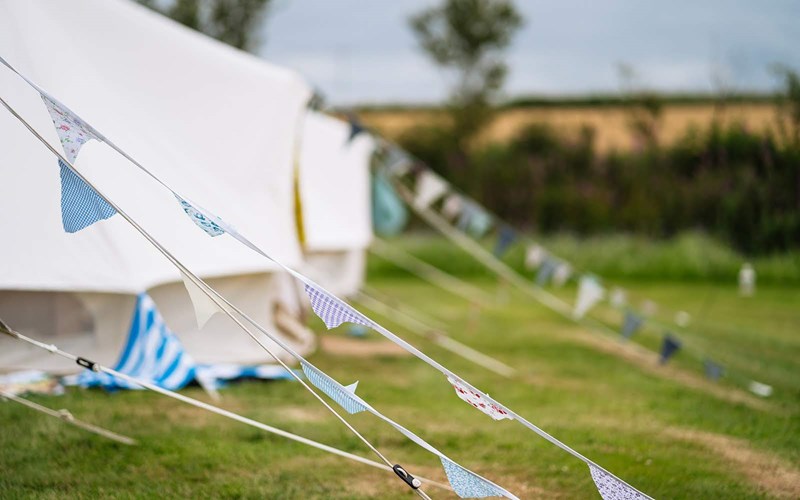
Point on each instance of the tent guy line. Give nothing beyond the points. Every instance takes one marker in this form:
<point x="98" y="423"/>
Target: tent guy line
<point x="190" y="401"/>
<point x="65" y="415"/>
<point x="461" y="474"/>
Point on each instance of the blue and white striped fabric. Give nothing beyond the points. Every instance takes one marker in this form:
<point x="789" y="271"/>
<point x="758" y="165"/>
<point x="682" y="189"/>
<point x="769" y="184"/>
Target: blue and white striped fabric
<point x="81" y="206"/>
<point x="332" y="311"/>
<point x="153" y="353"/>
<point x="324" y="383"/>
<point x="468" y="485"/>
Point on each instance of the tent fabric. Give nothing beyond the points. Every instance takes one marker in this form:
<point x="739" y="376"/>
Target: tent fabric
<point x="185" y="106"/>
<point x="335" y="185"/>
<point x="216" y="124"/>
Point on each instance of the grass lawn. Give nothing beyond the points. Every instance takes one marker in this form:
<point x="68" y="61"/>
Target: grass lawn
<point x="666" y="430"/>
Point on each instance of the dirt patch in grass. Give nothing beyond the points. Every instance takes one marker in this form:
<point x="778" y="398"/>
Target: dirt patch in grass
<point x="773" y="475"/>
<point x="341" y="346"/>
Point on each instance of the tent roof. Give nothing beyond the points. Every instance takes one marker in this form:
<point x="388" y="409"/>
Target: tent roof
<point x="335" y="185"/>
<point x="216" y="124"/>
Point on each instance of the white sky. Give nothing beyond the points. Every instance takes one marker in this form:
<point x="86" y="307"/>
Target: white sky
<point x="362" y="51"/>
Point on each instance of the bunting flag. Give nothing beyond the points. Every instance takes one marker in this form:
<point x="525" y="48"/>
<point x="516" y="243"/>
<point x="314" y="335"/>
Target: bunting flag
<point x="345" y="397"/>
<point x="713" y="370"/>
<point x="610" y="488"/>
<point x="389" y="214"/>
<point x="649" y="308"/>
<point x="631" y="324"/>
<point x="479" y="400"/>
<point x="331" y="310"/>
<point x="590" y="292"/>
<point x="760" y="389"/>
<point x="682" y="319"/>
<point x="72" y="131"/>
<point x="669" y="346"/>
<point x="204" y="306"/>
<point x="534" y="256"/>
<point x="618" y="298"/>
<point x="562" y="274"/>
<point x="429" y="188"/>
<point x="152" y="353"/>
<point x="81" y="206"/>
<point x="397" y="162"/>
<point x="205" y="221"/>
<point x="505" y="238"/>
<point x="469" y="485"/>
<point x="546" y="271"/>
<point x="474" y="220"/>
<point x="451" y="208"/>
<point x="355" y="127"/>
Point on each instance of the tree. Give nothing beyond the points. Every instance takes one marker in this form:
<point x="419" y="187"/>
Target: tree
<point x="234" y="22"/>
<point x="468" y="37"/>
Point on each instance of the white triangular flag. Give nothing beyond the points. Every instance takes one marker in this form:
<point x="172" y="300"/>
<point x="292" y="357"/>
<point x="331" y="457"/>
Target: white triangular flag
<point x="589" y="293"/>
<point x="611" y="488"/>
<point x="204" y="307"/>
<point x="618" y="298"/>
<point x="429" y="188"/>
<point x="534" y="256"/>
<point x="562" y="274"/>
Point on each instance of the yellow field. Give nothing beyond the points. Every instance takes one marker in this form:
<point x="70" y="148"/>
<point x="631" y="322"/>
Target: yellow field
<point x="611" y="123"/>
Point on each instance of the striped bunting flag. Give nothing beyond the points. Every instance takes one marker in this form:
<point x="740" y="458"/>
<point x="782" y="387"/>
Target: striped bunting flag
<point x="610" y="488"/>
<point x="331" y="310"/>
<point x="81" y="206"/>
<point x="152" y="353"/>
<point x="345" y="396"/>
<point x="469" y="485"/>
<point x="206" y="222"/>
<point x="479" y="400"/>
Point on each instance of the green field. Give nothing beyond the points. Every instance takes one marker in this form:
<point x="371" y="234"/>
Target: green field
<point x="667" y="430"/>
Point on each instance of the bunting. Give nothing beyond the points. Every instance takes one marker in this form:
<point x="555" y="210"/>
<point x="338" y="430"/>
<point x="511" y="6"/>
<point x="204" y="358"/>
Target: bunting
<point x="205" y="221"/>
<point x="451" y="208"/>
<point x="714" y="371"/>
<point x="505" y="238"/>
<point x="474" y="220"/>
<point x="669" y="346"/>
<point x="331" y="310"/>
<point x="618" y="297"/>
<point x="631" y="324"/>
<point x="562" y="274"/>
<point x="760" y="389"/>
<point x="468" y="485"/>
<point x="72" y="131"/>
<point x="345" y="397"/>
<point x="429" y="188"/>
<point x="546" y="271"/>
<point x="610" y="488"/>
<point x="590" y="292"/>
<point x="204" y="307"/>
<point x="81" y="206"/>
<point x="479" y="400"/>
<point x="534" y="256"/>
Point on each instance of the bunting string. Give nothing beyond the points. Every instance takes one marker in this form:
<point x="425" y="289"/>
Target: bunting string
<point x="337" y="310"/>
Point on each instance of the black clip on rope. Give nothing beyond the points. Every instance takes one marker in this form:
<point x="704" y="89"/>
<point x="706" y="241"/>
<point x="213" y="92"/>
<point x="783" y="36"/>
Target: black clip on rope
<point x="408" y="478"/>
<point x="91" y="365"/>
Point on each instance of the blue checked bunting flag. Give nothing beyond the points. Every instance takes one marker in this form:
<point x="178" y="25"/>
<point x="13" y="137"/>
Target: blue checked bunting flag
<point x="468" y="485"/>
<point x="713" y="370"/>
<point x="344" y="396"/>
<point x="204" y="221"/>
<point x="612" y="489"/>
<point x="152" y="353"/>
<point x="81" y="206"/>
<point x="332" y="311"/>
<point x="546" y="271"/>
<point x="506" y="237"/>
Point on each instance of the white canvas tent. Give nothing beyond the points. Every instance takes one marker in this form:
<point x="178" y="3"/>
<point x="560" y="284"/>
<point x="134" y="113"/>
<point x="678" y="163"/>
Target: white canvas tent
<point x="334" y="184"/>
<point x="218" y="125"/>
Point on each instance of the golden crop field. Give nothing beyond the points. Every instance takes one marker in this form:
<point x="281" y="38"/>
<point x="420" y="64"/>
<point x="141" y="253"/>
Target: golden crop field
<point x="610" y="123"/>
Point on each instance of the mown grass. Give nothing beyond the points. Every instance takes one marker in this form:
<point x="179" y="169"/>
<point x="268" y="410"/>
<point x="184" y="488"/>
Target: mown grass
<point x="652" y="426"/>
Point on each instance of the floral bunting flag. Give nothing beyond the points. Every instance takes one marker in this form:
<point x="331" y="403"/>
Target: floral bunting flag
<point x="345" y="397"/>
<point x="562" y="274"/>
<point x="71" y="130"/>
<point x="429" y="188"/>
<point x="331" y="310"/>
<point x="610" y="488"/>
<point x="479" y="400"/>
<point x="534" y="256"/>
<point x="451" y="208"/>
<point x="469" y="485"/>
<point x="81" y="206"/>
<point x="206" y="222"/>
<point x="590" y="292"/>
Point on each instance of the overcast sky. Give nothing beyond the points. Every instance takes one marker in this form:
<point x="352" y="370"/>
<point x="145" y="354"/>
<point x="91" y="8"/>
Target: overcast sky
<point x="362" y="51"/>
